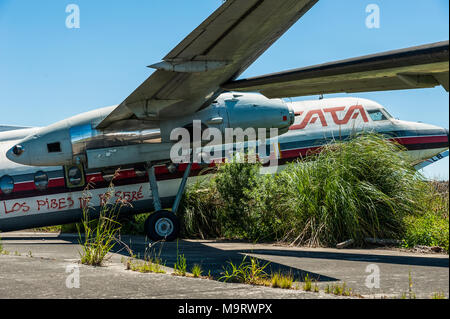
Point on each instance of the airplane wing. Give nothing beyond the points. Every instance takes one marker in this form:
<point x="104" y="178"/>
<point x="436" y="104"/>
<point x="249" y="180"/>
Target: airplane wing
<point x="415" y="67"/>
<point x="218" y="51"/>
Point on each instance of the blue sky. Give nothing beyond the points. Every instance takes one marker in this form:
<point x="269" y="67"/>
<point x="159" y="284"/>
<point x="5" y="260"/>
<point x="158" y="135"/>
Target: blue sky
<point x="49" y="72"/>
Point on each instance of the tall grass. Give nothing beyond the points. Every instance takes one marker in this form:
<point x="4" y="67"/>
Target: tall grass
<point x="365" y="187"/>
<point x="98" y="237"/>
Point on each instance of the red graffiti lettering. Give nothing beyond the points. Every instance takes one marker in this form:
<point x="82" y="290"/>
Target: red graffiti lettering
<point x="16" y="207"/>
<point x="84" y="201"/>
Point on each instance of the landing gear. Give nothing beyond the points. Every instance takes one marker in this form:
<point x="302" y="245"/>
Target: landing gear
<point x="164" y="224"/>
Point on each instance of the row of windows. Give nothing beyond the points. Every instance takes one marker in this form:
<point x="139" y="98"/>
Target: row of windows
<point x="74" y="177"/>
<point x="40" y="181"/>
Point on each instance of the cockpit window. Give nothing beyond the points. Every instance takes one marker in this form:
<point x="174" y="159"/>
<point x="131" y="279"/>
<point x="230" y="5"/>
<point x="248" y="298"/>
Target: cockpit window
<point x="387" y="114"/>
<point x="377" y="115"/>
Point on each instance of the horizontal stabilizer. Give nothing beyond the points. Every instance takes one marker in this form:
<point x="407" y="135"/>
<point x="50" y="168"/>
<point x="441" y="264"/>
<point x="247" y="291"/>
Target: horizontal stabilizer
<point x="5" y="128"/>
<point x="432" y="160"/>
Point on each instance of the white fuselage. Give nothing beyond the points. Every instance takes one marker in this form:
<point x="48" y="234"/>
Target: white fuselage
<point x="318" y="122"/>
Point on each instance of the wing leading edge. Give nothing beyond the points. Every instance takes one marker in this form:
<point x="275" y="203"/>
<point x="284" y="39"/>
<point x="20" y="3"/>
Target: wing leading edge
<point x="415" y="67"/>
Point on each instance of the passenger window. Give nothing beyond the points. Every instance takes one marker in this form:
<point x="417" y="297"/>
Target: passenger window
<point x="6" y="184"/>
<point x="41" y="180"/>
<point x="377" y="115"/>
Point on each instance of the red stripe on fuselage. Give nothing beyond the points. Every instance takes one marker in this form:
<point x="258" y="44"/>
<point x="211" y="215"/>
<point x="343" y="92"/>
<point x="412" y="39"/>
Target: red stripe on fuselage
<point x="421" y="139"/>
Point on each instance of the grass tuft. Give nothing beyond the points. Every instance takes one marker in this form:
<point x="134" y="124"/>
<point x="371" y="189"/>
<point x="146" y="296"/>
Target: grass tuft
<point x="307" y="285"/>
<point x="197" y="271"/>
<point x="339" y="290"/>
<point x="282" y="281"/>
<point x="438" y="295"/>
<point x="248" y="272"/>
<point x="147" y="266"/>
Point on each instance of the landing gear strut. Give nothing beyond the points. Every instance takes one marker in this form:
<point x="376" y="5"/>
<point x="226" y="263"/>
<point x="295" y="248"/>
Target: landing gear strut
<point x="164" y="224"/>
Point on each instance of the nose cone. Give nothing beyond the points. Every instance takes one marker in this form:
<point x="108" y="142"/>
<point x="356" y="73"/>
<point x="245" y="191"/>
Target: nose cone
<point x="46" y="150"/>
<point x="291" y="115"/>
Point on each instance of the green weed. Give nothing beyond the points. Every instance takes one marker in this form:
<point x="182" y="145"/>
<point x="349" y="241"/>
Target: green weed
<point x="339" y="290"/>
<point x="180" y="267"/>
<point x="248" y="272"/>
<point x="196" y="271"/>
<point x="430" y="227"/>
<point x="307" y="285"/>
<point x="147" y="266"/>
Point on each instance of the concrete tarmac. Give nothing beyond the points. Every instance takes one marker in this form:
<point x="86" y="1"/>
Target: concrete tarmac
<point x="41" y="265"/>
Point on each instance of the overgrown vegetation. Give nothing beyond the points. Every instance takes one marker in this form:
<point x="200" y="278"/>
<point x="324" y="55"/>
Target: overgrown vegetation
<point x="350" y="190"/>
<point x="431" y="228"/>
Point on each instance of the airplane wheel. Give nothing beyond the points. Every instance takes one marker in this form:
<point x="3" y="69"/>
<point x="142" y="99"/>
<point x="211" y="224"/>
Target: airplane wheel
<point x="162" y="225"/>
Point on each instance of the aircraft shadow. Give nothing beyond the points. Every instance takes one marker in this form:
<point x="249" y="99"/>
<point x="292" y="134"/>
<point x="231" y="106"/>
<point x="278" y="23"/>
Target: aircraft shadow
<point x="385" y="259"/>
<point x="39" y="240"/>
<point x="213" y="261"/>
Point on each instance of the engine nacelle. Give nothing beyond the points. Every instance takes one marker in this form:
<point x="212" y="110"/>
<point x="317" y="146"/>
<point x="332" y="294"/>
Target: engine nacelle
<point x="236" y="111"/>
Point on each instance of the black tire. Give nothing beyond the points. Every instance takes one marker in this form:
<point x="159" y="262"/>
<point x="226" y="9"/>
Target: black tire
<point x="162" y="225"/>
